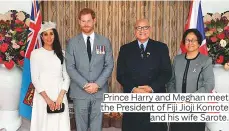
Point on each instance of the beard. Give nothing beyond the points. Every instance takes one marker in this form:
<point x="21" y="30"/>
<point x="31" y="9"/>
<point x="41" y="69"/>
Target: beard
<point x="87" y="29"/>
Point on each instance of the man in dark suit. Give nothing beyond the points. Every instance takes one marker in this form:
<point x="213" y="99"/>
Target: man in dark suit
<point x="143" y="67"/>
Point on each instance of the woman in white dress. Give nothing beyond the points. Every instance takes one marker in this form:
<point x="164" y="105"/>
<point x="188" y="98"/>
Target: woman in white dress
<point x="51" y="83"/>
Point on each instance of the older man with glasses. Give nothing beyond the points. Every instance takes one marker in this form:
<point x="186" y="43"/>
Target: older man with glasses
<point x="143" y="67"/>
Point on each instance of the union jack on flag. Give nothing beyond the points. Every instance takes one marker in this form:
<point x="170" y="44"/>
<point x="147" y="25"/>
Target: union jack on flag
<point x="33" y="42"/>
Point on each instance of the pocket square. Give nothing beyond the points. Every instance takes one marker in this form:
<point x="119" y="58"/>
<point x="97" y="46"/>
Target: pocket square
<point x="100" y="49"/>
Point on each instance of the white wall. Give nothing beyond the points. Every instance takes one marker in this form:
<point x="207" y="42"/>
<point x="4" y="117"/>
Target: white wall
<point x="19" y="5"/>
<point x="213" y="6"/>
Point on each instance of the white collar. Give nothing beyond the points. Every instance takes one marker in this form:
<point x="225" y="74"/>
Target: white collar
<point x="92" y="36"/>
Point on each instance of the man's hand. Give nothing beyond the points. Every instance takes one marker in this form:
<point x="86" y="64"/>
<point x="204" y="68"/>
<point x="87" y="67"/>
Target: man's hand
<point x="91" y="88"/>
<point x="146" y="88"/>
<point x="138" y="90"/>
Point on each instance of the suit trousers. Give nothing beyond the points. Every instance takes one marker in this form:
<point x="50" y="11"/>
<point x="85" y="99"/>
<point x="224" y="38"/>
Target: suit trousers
<point x="88" y="113"/>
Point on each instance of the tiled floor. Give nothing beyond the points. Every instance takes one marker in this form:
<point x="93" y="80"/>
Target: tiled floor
<point x="26" y="124"/>
<point x="25" y="127"/>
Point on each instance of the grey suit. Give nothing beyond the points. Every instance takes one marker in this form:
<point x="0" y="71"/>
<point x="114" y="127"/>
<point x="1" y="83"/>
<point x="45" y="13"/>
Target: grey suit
<point x="200" y="76"/>
<point x="81" y="71"/>
<point x="191" y="76"/>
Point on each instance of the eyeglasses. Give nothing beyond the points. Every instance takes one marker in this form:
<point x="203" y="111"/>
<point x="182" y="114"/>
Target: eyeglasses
<point x="139" y="28"/>
<point x="190" y="41"/>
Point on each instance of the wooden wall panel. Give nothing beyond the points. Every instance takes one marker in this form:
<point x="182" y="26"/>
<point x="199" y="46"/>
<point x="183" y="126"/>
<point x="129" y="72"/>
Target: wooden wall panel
<point x="115" y="20"/>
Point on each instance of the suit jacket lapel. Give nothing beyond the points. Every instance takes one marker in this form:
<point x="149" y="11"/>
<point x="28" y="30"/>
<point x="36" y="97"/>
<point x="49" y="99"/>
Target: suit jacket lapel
<point x="83" y="48"/>
<point x="137" y="46"/>
<point x="148" y="46"/>
<point x="137" y="49"/>
<point x="96" y="41"/>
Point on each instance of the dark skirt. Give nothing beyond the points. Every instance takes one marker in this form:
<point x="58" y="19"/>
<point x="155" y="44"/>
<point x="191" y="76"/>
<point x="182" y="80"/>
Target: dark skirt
<point x="187" y="126"/>
<point x="140" y="122"/>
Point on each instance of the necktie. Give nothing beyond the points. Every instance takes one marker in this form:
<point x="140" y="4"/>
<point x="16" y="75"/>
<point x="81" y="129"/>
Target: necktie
<point x="142" y="50"/>
<point x="89" y="48"/>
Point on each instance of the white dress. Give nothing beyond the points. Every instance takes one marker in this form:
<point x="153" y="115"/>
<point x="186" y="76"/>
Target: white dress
<point x="50" y="76"/>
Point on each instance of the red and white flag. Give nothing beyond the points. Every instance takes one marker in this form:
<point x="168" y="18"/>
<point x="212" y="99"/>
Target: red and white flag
<point x="195" y="21"/>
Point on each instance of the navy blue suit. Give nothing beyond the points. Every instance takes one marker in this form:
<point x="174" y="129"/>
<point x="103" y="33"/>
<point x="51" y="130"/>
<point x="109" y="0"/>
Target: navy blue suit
<point x="153" y="69"/>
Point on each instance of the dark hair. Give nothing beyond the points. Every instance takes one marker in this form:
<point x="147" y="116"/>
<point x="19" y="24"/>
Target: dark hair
<point x="194" y="31"/>
<point x="86" y="11"/>
<point x="56" y="46"/>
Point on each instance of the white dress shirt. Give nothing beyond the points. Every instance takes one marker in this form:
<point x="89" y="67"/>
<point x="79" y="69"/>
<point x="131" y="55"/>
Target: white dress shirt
<point x="92" y="37"/>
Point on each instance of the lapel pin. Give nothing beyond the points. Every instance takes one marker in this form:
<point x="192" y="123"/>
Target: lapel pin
<point x="194" y="70"/>
<point x="148" y="54"/>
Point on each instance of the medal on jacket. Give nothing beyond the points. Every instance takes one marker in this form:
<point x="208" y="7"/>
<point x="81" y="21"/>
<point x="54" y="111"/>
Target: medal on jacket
<point x="100" y="49"/>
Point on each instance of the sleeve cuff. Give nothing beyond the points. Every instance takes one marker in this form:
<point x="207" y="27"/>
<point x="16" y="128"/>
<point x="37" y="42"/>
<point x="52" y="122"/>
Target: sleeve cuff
<point x="152" y="89"/>
<point x="133" y="89"/>
<point x="39" y="90"/>
<point x="99" y="86"/>
<point x="85" y="86"/>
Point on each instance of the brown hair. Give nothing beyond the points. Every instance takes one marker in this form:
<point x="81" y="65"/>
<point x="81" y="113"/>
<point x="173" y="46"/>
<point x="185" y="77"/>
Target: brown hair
<point x="86" y="11"/>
